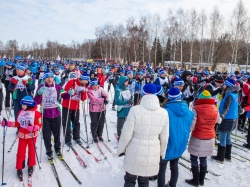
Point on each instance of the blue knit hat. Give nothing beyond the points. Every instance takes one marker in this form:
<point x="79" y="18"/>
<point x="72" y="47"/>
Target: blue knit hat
<point x="174" y="94"/>
<point x="47" y="74"/>
<point x="84" y="76"/>
<point x="28" y="101"/>
<point x="149" y="89"/>
<point x="9" y="63"/>
<point x="140" y="73"/>
<point x="160" y="90"/>
<point x="129" y="72"/>
<point x="178" y="82"/>
<point x="230" y="82"/>
<point x="161" y="72"/>
<point x="94" y="82"/>
<point x="20" y="66"/>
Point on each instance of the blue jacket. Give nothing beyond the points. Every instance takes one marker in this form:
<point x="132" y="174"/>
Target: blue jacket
<point x="180" y="121"/>
<point x="233" y="110"/>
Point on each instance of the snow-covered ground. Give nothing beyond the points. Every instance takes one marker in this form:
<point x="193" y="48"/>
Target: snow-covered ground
<point x="110" y="173"/>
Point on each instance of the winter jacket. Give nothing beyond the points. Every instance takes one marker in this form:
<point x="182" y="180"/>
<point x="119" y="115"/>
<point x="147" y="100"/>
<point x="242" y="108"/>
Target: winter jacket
<point x="101" y="79"/>
<point x="144" y="137"/>
<point x="180" y="121"/>
<point x="207" y="115"/>
<point x="20" y="90"/>
<point x="55" y="111"/>
<point x="23" y="132"/>
<point x="229" y="110"/>
<point x="96" y="102"/>
<point x="75" y="99"/>
<point x="122" y="103"/>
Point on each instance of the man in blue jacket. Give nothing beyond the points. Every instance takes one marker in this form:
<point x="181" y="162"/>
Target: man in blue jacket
<point x="180" y="121"/>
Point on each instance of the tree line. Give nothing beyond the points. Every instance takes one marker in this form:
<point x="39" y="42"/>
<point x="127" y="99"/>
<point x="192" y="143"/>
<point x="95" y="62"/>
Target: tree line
<point x="184" y="36"/>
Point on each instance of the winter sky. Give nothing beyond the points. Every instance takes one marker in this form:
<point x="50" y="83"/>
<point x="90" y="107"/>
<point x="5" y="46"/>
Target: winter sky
<point x="67" y="20"/>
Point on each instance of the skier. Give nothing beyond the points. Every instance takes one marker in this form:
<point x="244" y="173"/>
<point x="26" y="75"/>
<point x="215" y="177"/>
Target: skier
<point x="70" y="110"/>
<point x="21" y="85"/>
<point x="98" y="99"/>
<point x="180" y="121"/>
<point x="229" y="110"/>
<point x="29" y="123"/>
<point x="140" y="82"/>
<point x="142" y="141"/>
<point x="48" y="95"/>
<point x="123" y="101"/>
<point x="201" y="143"/>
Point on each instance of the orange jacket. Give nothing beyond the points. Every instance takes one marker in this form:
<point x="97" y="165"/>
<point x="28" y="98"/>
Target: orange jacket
<point x="207" y="114"/>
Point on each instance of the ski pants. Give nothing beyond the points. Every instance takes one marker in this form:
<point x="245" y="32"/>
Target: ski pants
<point x="51" y="125"/>
<point x="8" y="93"/>
<point x="130" y="180"/>
<point x="97" y="123"/>
<point x="120" y="123"/>
<point x="21" y="151"/>
<point x="225" y="138"/>
<point x="73" y="118"/>
<point x="162" y="172"/>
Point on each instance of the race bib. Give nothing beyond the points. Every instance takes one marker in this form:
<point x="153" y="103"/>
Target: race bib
<point x="26" y="118"/>
<point x="50" y="98"/>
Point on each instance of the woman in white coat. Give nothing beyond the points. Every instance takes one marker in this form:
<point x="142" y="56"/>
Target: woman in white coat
<point x="144" y="139"/>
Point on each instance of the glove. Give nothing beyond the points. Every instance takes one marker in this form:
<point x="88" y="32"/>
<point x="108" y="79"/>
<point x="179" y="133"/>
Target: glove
<point x="13" y="81"/>
<point x="106" y="101"/>
<point x="24" y="82"/>
<point x="130" y="102"/>
<point x="41" y="90"/>
<point x="8" y="123"/>
<point x="10" y="76"/>
<point x="80" y="89"/>
<point x="32" y="128"/>
<point x="71" y="92"/>
<point x="104" y="97"/>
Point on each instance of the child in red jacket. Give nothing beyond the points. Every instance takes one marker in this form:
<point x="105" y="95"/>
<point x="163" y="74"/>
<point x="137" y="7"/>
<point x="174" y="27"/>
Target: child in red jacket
<point x="102" y="78"/>
<point x="29" y="122"/>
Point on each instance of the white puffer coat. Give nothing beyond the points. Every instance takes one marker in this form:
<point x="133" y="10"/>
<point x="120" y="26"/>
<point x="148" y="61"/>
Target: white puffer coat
<point x="144" y="137"/>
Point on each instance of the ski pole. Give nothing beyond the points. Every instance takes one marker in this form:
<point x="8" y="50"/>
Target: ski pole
<point x="106" y="125"/>
<point x="33" y="141"/>
<point x="4" y="134"/>
<point x="66" y="125"/>
<point x="85" y="123"/>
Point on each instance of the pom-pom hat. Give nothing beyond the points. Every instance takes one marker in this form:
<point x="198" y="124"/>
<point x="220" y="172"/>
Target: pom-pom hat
<point x="178" y="82"/>
<point x="84" y="76"/>
<point x="20" y="67"/>
<point x="230" y="82"/>
<point x="174" y="94"/>
<point x="149" y="89"/>
<point x="205" y="95"/>
<point x="160" y="90"/>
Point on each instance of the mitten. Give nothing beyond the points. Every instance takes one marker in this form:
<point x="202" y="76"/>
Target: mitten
<point x="41" y="90"/>
<point x="13" y="81"/>
<point x="8" y="123"/>
<point x="130" y="102"/>
<point x="24" y="82"/>
<point x="71" y="92"/>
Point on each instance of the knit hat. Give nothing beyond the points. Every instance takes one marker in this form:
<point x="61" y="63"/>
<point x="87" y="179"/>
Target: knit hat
<point x="84" y="76"/>
<point x="149" y="89"/>
<point x="230" y="82"/>
<point x="94" y="82"/>
<point x="129" y="72"/>
<point x="20" y="66"/>
<point x="174" y="94"/>
<point x="178" y="82"/>
<point x="28" y="101"/>
<point x="232" y="75"/>
<point x="205" y="95"/>
<point x="47" y="74"/>
<point x="219" y="79"/>
<point x="9" y="63"/>
<point x="160" y="90"/>
<point x="140" y="73"/>
<point x="161" y="72"/>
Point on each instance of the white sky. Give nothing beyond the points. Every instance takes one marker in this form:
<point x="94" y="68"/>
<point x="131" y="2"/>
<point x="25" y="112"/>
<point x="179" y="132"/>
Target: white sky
<point x="67" y="20"/>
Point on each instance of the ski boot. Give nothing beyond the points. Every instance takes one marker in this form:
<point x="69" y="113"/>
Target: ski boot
<point x="20" y="174"/>
<point x="30" y="170"/>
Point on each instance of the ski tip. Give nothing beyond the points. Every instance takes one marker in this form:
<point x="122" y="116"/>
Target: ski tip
<point x="4" y="183"/>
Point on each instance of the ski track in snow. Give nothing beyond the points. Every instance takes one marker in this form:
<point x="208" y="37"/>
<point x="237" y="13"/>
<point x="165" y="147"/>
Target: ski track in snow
<point x="109" y="173"/>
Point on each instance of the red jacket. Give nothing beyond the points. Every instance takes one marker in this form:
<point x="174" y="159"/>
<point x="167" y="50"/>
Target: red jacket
<point x="74" y="104"/>
<point x="24" y="133"/>
<point x="207" y="114"/>
<point x="101" y="78"/>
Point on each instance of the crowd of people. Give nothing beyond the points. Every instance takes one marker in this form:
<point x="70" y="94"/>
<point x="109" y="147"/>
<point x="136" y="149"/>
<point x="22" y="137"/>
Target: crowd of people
<point x="157" y="115"/>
